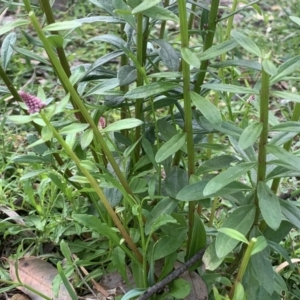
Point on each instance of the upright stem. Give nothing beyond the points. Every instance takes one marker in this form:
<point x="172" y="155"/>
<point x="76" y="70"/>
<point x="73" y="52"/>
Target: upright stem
<point x="188" y="109"/>
<point x="264" y="119"/>
<point x="212" y="22"/>
<point x="86" y="115"/>
<point x="192" y="16"/>
<point x="94" y="184"/>
<point x="243" y="266"/>
<point x="163" y="23"/>
<point x="139" y="80"/>
<point x="60" y="50"/>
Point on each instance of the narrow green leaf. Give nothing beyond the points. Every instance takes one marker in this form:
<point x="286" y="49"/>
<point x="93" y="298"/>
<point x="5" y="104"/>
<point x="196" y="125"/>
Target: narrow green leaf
<point x="158" y="222"/>
<point x="105" y="19"/>
<point x="286" y="69"/>
<point x="246" y="43"/>
<point x="217" y="50"/>
<point x="291" y="212"/>
<point x="190" y="57"/>
<point x="126" y="15"/>
<point x="280" y="250"/>
<point x="31" y="55"/>
<point x="229" y="88"/>
<point x="238" y="63"/>
<point x="70" y="139"/>
<point x="64" y="248"/>
<point x="133" y="293"/>
<point x="20" y="119"/>
<point x="209" y="110"/>
<point x="69" y="288"/>
<point x="55" y="40"/>
<point x="240" y="220"/>
<point x="269" y="205"/>
<point x="176" y="179"/>
<point x="29" y="159"/>
<point x="163" y="102"/>
<point x="150" y="89"/>
<point x="33" y="174"/>
<point x="295" y="19"/>
<point x="234" y="234"/>
<point x="285" y="156"/>
<point x="118" y="260"/>
<point x="123" y="124"/>
<point x="286" y="95"/>
<point x="126" y="75"/>
<point x="250" y="135"/>
<point x="168" y="55"/>
<point x="216" y="163"/>
<point x="46" y="133"/>
<point x="7" y="50"/>
<point x="74" y="128"/>
<point x="102" y="87"/>
<point x="269" y="67"/>
<point x="170" y="147"/>
<point x="168" y="244"/>
<point x="93" y="223"/>
<point x="161" y="13"/>
<point x="146" y="4"/>
<point x="260" y="245"/>
<point x="286" y="127"/>
<point x="64" y="25"/>
<point x="79" y="179"/>
<point x="60" y="106"/>
<point x="86" y="138"/>
<point x="194" y="191"/>
<point x="239" y="292"/>
<point x="12" y="25"/>
<point x="112" y="39"/>
<point x="227" y="176"/>
<point x="198" y="240"/>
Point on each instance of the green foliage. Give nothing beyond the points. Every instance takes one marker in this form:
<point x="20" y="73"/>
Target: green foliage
<point x="193" y="153"/>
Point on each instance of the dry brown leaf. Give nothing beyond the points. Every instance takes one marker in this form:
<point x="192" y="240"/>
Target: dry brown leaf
<point x="19" y="297"/>
<point x="99" y="296"/>
<point x="114" y="280"/>
<point x="285" y="264"/>
<point x="38" y="274"/>
<point x="198" y="288"/>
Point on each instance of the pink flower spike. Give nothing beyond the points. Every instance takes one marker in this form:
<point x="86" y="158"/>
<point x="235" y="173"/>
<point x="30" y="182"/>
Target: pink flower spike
<point x="33" y="103"/>
<point x="102" y="122"/>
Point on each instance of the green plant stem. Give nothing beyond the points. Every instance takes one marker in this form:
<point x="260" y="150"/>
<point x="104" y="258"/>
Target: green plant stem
<point x="87" y="117"/>
<point x="212" y="212"/>
<point x="46" y="7"/>
<point x="287" y="146"/>
<point x="264" y="119"/>
<point x="192" y="16"/>
<point x="139" y="81"/>
<point x="212" y="22"/>
<point x="163" y="23"/>
<point x="230" y="20"/>
<point x="188" y="128"/>
<point x="60" y="50"/>
<point x="211" y="135"/>
<point x="94" y="184"/>
<point x="243" y="266"/>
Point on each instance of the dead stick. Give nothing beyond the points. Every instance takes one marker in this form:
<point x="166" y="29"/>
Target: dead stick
<point x="176" y="273"/>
